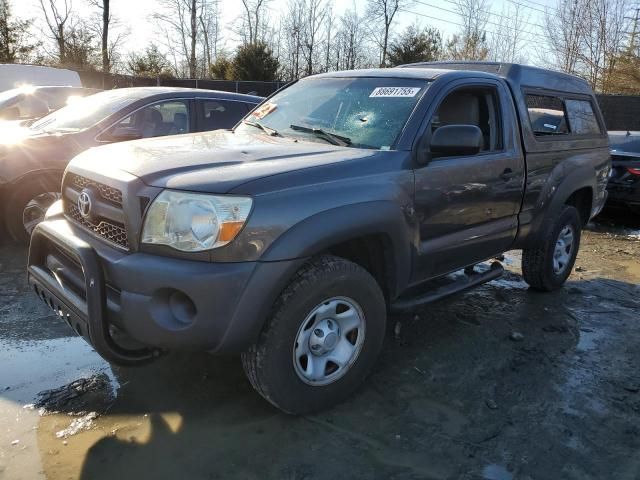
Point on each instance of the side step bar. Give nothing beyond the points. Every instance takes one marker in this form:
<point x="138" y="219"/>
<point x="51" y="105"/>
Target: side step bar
<point x="467" y="282"/>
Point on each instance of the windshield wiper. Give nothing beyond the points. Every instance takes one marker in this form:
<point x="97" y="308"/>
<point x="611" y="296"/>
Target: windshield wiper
<point x="333" y="138"/>
<point x="268" y="130"/>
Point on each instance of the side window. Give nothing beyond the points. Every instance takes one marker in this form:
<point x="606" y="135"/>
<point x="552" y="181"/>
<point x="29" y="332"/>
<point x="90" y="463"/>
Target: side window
<point x="160" y="119"/>
<point x="217" y="114"/>
<point x="582" y="120"/>
<point x="477" y="106"/>
<point x="547" y="115"/>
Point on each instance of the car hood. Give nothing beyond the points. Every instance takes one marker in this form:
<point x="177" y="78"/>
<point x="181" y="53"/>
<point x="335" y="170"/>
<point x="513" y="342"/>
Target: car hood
<point x="14" y="137"/>
<point x="214" y="162"/>
<point x="23" y="151"/>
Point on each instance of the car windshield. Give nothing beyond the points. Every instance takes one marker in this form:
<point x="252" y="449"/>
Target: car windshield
<point x="361" y="112"/>
<point x="86" y="112"/>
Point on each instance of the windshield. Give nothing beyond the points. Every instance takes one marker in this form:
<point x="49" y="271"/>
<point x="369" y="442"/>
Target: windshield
<point x="357" y="112"/>
<point x="86" y="112"/>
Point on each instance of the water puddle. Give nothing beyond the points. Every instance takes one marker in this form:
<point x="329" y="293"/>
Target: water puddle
<point x="510" y="284"/>
<point x="496" y="472"/>
<point x="29" y="367"/>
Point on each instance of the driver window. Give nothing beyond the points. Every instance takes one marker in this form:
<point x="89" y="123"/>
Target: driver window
<point x="477" y="106"/>
<point x="159" y="119"/>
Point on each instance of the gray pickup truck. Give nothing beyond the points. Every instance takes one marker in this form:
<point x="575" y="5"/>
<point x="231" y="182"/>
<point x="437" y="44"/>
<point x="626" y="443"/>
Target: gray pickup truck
<point x="342" y="197"/>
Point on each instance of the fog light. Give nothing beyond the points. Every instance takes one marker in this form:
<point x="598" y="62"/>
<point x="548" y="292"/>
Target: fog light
<point x="172" y="309"/>
<point x="182" y="307"/>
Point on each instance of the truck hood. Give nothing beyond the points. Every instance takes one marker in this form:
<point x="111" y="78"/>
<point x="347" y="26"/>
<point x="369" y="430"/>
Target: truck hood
<point x="215" y="162"/>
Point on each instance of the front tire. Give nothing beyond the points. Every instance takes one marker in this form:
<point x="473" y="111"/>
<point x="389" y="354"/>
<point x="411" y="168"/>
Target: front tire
<point x="548" y="265"/>
<point x="324" y="335"/>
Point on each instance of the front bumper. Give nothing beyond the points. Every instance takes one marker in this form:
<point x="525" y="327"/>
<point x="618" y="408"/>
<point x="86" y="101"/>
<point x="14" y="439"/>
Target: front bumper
<point x="130" y="307"/>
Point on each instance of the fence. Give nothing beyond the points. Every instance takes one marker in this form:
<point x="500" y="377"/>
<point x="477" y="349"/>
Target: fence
<point x="621" y="112"/>
<point x="109" y="81"/>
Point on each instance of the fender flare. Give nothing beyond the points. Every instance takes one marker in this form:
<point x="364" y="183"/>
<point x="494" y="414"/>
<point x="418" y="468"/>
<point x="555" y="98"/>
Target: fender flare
<point x="328" y="228"/>
<point x="553" y="197"/>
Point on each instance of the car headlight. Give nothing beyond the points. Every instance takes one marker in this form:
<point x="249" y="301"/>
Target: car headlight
<point x="192" y="222"/>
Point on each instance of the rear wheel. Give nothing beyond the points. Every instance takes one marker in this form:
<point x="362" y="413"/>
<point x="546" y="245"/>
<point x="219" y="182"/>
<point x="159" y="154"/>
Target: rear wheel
<point x="324" y="335"/>
<point x="548" y="265"/>
<point x="27" y="204"/>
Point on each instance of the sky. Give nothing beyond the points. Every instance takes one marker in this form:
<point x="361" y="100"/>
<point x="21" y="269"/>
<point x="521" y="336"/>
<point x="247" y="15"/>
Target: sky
<point x="136" y="15"/>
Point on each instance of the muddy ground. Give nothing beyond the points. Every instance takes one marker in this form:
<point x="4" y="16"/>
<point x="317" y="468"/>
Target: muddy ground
<point x="457" y="394"/>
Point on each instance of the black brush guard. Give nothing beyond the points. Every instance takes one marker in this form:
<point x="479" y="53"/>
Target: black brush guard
<point x="87" y="316"/>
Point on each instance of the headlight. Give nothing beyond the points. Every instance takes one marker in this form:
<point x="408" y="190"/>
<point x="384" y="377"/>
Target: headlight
<point x="193" y="222"/>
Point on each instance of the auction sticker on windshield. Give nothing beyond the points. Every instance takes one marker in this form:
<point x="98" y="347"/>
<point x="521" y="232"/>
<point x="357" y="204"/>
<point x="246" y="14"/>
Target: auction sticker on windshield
<point x="264" y="110"/>
<point x="394" y="92"/>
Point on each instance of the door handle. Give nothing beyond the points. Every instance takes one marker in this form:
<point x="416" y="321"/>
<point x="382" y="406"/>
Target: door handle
<point x="507" y="174"/>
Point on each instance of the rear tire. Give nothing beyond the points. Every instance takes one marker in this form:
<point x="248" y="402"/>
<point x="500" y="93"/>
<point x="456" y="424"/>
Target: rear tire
<point x="332" y="308"/>
<point x="27" y="202"/>
<point x="548" y="265"/>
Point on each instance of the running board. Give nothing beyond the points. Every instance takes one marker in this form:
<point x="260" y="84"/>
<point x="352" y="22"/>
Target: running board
<point x="466" y="282"/>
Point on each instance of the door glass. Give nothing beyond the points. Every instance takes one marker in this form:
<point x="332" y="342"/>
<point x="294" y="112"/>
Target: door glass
<point x="581" y="117"/>
<point x="219" y="114"/>
<point x="547" y="115"/>
<point x="477" y="107"/>
<point x="159" y="119"/>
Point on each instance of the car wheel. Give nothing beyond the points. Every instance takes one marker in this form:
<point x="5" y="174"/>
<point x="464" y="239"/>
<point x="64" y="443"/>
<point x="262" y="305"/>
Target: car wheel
<point x="27" y="205"/>
<point x="547" y="266"/>
<point x="322" y="338"/>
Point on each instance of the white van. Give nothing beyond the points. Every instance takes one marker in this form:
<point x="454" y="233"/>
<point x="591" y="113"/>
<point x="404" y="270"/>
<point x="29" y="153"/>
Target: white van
<point x="12" y="76"/>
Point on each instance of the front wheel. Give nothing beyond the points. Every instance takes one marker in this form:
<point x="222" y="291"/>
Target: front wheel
<point x="548" y="265"/>
<point x="324" y="335"/>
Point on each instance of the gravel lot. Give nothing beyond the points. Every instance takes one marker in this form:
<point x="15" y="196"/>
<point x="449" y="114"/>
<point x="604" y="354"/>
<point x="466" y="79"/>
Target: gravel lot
<point x="499" y="383"/>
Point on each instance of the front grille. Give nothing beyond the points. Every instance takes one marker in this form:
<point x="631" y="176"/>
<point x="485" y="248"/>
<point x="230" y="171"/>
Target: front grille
<point x="107" y="228"/>
<point x="110" y="194"/>
<point x="111" y="231"/>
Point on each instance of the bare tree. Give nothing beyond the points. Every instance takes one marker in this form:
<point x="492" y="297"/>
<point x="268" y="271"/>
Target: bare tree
<point x="188" y="28"/>
<point x="253" y="18"/>
<point x="104" y="5"/>
<point x="585" y="38"/>
<point x="384" y="11"/>
<point x="507" y="43"/>
<point x="58" y="17"/>
<point x="602" y="38"/>
<point x="109" y="30"/>
<point x="563" y="27"/>
<point x="471" y="42"/>
<point x="315" y="12"/>
<point x="293" y="25"/>
<point x="329" y="37"/>
<point x="349" y="49"/>
<point x="211" y="33"/>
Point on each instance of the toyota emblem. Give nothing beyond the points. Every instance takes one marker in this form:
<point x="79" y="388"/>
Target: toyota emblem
<point x="84" y="204"/>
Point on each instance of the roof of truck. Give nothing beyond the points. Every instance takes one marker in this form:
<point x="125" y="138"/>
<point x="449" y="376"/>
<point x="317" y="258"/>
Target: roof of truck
<point x="516" y="75"/>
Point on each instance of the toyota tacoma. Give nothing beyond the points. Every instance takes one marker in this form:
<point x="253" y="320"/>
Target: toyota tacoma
<point x="342" y="197"/>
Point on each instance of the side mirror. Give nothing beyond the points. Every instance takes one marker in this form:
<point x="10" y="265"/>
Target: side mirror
<point x="123" y="134"/>
<point x="456" y="140"/>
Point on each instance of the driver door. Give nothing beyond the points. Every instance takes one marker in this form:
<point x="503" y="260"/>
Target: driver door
<point x="467" y="205"/>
